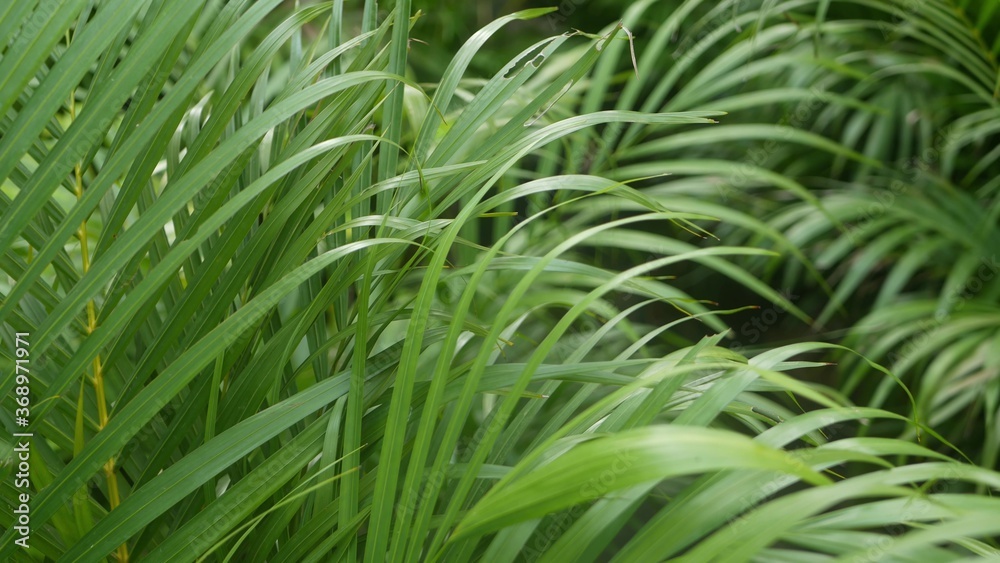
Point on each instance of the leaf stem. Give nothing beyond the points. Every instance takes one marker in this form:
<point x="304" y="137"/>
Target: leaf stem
<point x="114" y="497"/>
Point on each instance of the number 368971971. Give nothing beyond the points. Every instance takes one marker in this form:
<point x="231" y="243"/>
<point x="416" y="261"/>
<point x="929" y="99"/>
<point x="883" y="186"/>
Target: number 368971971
<point x="22" y="373"/>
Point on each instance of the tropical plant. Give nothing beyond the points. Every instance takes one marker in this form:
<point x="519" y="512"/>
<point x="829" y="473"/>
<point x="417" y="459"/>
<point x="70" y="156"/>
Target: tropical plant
<point x="283" y="302"/>
<point x="860" y="142"/>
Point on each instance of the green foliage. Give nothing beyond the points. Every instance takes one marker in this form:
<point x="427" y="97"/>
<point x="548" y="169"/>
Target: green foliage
<point x="287" y="302"/>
